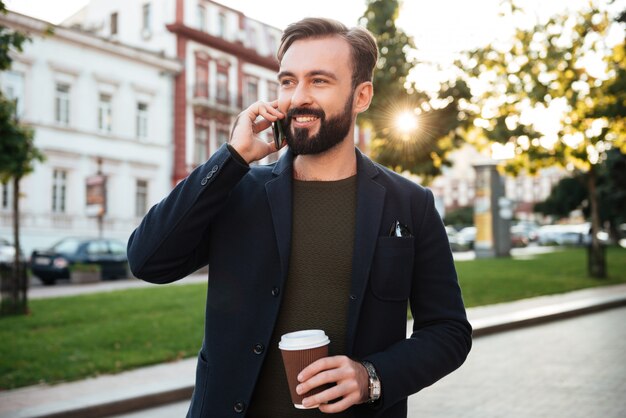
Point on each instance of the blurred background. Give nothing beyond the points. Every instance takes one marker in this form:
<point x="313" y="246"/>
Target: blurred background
<point x="512" y="112"/>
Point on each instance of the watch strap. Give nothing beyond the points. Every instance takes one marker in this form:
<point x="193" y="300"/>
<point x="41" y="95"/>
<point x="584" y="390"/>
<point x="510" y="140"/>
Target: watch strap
<point x="374" y="382"/>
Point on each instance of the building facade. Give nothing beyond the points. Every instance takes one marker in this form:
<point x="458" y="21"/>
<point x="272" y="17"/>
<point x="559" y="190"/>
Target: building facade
<point x="456" y="188"/>
<point x="229" y="63"/>
<point x="97" y="107"/>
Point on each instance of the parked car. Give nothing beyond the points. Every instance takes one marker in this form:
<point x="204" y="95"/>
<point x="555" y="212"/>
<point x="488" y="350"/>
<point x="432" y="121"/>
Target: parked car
<point x="7" y="253"/>
<point x="466" y="237"/>
<point x="523" y="233"/>
<point x="56" y="262"/>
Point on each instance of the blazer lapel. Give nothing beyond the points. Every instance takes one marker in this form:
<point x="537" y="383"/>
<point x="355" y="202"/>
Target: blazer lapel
<point x="369" y="210"/>
<point x="279" y="194"/>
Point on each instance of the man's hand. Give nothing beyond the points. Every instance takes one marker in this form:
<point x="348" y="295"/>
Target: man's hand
<point x="244" y="135"/>
<point x="350" y="378"/>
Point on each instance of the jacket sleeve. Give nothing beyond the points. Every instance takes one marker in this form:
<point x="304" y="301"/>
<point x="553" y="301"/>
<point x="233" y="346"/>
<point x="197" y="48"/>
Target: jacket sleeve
<point x="441" y="337"/>
<point x="171" y="241"/>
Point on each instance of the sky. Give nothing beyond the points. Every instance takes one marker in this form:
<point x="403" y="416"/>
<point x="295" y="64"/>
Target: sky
<point x="439" y="28"/>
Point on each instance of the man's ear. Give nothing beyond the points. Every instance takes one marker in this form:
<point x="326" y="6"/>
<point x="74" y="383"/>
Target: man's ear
<point x="363" y="96"/>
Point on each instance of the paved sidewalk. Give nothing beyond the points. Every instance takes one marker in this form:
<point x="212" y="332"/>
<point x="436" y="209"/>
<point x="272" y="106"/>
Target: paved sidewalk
<point x="151" y="386"/>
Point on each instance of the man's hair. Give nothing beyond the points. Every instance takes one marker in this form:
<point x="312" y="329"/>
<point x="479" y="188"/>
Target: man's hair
<point x="361" y="41"/>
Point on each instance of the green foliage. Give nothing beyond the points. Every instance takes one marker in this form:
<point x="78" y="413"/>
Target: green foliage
<point x="9" y="41"/>
<point x="423" y="150"/>
<point x="568" y="195"/>
<point x="17" y="148"/>
<point x="571" y="193"/>
<point x="460" y="216"/>
<point x="568" y="68"/>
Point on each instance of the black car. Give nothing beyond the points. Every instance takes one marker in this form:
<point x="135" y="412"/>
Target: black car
<point x="56" y="262"/>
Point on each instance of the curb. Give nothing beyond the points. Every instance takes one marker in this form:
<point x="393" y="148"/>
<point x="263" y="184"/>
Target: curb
<point x="537" y="316"/>
<point x="123" y="406"/>
<point x="482" y="327"/>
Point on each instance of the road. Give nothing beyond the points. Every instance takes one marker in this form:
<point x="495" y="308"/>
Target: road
<point x="570" y="368"/>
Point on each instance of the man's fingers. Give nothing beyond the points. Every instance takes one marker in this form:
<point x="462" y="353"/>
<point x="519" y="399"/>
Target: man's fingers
<point x="264" y="109"/>
<point x="319" y="365"/>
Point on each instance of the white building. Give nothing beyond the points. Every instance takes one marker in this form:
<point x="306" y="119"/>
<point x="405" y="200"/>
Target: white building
<point x="229" y="62"/>
<point x="95" y="105"/>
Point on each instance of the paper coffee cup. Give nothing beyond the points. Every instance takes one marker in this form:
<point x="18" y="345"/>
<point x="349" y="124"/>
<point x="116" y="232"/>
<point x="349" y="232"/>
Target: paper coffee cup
<point x="299" y="349"/>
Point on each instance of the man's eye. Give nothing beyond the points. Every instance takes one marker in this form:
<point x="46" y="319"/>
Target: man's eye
<point x="319" y="81"/>
<point x="286" y="82"/>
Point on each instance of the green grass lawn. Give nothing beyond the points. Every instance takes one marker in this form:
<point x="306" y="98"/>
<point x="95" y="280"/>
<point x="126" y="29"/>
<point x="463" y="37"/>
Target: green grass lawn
<point x="489" y="281"/>
<point x="75" y="337"/>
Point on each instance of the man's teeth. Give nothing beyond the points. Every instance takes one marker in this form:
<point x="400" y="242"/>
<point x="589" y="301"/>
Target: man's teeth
<point x="304" y="119"/>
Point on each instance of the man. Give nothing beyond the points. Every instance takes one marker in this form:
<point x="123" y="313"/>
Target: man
<point x="306" y="243"/>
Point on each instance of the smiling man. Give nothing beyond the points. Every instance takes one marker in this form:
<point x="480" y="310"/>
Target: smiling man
<point x="323" y="239"/>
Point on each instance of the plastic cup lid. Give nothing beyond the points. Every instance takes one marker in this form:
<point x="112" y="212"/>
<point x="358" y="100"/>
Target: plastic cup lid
<point x="302" y="340"/>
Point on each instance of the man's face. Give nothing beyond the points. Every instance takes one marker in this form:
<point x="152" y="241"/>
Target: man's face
<point x="316" y="94"/>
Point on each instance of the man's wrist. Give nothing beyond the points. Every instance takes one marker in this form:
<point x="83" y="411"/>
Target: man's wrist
<point x="375" y="388"/>
<point x="236" y="155"/>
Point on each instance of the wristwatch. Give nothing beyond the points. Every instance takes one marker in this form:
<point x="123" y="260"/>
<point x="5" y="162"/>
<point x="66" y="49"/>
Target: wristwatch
<point x="375" y="388"/>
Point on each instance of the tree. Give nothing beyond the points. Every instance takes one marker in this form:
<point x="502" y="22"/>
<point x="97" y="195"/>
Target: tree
<point x="571" y="193"/>
<point x="555" y="94"/>
<point x="17" y="157"/>
<point x="421" y="149"/>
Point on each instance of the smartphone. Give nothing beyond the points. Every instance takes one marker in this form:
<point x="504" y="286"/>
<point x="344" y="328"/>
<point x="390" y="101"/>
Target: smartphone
<point x="279" y="133"/>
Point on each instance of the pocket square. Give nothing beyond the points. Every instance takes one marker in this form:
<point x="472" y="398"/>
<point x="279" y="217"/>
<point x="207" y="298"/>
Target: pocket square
<point x="399" y="230"/>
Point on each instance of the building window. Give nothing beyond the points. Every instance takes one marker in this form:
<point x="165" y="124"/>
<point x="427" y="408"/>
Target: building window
<point x="113" y="23"/>
<point x="145" y="19"/>
<point x="272" y="91"/>
<point x="222" y="85"/>
<point x="6" y="192"/>
<point x="141" y="198"/>
<point x="222" y="137"/>
<point x="59" y="186"/>
<point x="201" y="18"/>
<point x="202" y="78"/>
<point x="62" y="104"/>
<point x="221" y="25"/>
<point x="252" y="91"/>
<point x="142" y="120"/>
<point x="13" y="89"/>
<point x="105" y="113"/>
<point x="201" y="144"/>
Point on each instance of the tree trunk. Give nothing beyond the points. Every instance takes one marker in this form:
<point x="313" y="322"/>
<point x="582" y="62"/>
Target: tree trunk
<point x="14" y="286"/>
<point x="596" y="256"/>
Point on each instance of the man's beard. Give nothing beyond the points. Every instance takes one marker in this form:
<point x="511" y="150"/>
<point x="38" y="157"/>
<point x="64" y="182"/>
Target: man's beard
<point x="331" y="132"/>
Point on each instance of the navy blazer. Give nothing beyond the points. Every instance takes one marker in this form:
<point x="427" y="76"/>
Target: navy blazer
<point x="237" y="219"/>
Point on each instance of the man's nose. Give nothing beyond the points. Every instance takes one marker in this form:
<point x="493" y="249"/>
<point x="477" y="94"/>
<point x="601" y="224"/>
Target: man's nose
<point x="301" y="96"/>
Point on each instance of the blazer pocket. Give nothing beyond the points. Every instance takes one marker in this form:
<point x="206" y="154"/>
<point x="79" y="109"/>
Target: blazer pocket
<point x="392" y="268"/>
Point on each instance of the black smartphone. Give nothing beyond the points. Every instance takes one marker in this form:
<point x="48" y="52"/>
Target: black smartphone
<point x="279" y="133"/>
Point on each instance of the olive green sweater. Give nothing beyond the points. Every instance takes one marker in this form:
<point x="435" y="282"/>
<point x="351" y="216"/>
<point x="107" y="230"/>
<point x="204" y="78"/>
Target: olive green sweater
<point x="317" y="290"/>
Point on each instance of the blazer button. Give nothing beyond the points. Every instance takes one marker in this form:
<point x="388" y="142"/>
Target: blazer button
<point x="258" y="348"/>
<point x="353" y="297"/>
<point x="239" y="407"/>
<point x="275" y="291"/>
<point x="214" y="169"/>
<point x="204" y="181"/>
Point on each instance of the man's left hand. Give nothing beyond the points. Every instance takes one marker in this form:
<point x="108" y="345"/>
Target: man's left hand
<point x="350" y="378"/>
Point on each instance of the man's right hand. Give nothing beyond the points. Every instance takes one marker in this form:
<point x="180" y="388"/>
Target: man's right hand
<point x="244" y="136"/>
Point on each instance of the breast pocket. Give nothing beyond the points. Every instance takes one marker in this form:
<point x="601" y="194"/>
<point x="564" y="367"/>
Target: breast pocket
<point x="392" y="268"/>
